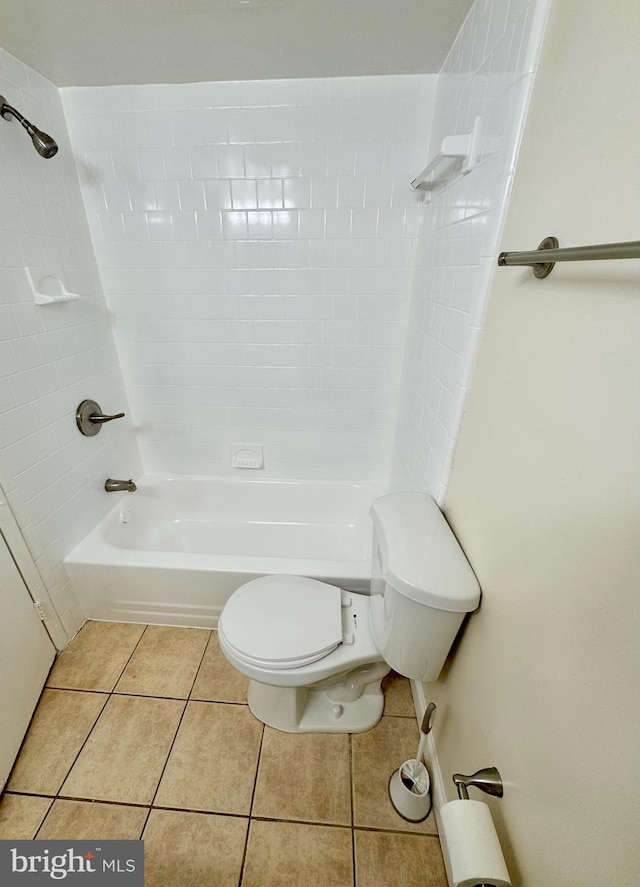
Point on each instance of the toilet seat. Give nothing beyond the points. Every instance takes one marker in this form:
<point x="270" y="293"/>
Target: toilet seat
<point x="283" y="622"/>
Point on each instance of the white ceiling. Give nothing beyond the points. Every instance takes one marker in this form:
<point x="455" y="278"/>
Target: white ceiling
<point x="100" y="42"/>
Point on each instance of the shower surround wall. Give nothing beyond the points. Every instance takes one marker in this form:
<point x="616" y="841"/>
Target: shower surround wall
<point x="52" y="357"/>
<point x="256" y="242"/>
<point x="488" y="74"/>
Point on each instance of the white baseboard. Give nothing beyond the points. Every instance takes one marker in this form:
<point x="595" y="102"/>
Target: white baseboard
<point x="438" y="793"/>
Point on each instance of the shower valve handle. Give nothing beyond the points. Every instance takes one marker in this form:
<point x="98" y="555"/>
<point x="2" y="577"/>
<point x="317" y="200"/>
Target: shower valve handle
<point x="98" y="417"/>
<point x="90" y="418"/>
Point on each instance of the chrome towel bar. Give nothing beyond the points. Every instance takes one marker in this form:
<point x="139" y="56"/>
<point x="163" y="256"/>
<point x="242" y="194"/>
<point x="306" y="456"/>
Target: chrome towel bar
<point x="544" y="258"/>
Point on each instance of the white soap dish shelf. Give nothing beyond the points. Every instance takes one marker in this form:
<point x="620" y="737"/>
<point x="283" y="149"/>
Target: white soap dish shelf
<point x="48" y="287"/>
<point x="247" y="455"/>
<point x="459" y="147"/>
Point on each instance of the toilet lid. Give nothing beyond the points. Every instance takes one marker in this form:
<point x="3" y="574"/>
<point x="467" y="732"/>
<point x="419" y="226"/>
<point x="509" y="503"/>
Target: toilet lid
<point x="283" y="621"/>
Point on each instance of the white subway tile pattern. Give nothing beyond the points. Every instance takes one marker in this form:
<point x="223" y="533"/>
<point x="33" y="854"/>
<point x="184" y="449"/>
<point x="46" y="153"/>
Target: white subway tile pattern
<point x="52" y="357"/>
<point x="488" y="73"/>
<point x="256" y="244"/>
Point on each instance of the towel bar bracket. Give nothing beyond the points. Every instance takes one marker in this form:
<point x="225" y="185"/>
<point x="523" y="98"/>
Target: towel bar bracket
<point x="541" y="268"/>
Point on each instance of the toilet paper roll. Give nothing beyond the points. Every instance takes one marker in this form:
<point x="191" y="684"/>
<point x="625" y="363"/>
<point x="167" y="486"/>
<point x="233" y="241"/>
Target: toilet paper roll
<point x="472" y="851"/>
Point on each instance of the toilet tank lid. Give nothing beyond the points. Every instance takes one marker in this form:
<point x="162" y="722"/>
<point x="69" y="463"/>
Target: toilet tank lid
<point x="421" y="558"/>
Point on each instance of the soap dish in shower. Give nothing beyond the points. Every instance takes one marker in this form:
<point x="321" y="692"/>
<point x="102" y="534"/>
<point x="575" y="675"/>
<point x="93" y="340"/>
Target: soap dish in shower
<point x="247" y="455"/>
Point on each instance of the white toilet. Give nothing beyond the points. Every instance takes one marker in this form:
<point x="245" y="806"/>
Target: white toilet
<point x="316" y="654"/>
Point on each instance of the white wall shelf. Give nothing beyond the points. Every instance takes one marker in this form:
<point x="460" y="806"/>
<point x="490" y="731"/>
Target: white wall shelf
<point x="47" y="286"/>
<point x="460" y="147"/>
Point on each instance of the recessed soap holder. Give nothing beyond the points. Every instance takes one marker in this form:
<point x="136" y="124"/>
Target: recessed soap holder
<point x="47" y="286"/>
<point x="247" y="455"/>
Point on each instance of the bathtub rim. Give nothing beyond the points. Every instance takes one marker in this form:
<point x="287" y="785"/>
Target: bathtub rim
<point x="95" y="548"/>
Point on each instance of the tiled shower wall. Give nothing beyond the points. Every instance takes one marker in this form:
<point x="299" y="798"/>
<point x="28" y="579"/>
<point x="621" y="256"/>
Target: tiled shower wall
<point x="256" y="242"/>
<point x="54" y="356"/>
<point x="488" y="74"/>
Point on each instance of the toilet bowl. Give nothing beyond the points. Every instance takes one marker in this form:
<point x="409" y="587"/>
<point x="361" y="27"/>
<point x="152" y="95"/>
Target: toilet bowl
<point x="316" y="654"/>
<point x="308" y="651"/>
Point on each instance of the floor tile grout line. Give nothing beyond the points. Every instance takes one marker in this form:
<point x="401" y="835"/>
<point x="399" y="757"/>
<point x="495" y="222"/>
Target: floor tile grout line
<point x="353" y="834"/>
<point x="145" y="823"/>
<point x="112" y="693"/>
<point x="253" y="794"/>
<point x="48" y="686"/>
<point x="145" y="696"/>
<point x="93" y="726"/>
<point x="114" y="689"/>
<point x="338" y="825"/>
<point x="152" y="805"/>
<point x="166" y="809"/>
<point x="245" y="850"/>
<point x="104" y="801"/>
<point x="109" y="694"/>
<point x="137" y="644"/>
<point x="192" y="810"/>
<point x="188" y="698"/>
<point x="173" y="742"/>
<point x="109" y="697"/>
<point x="44" y="818"/>
<point x="255" y="779"/>
<point x="195" y="677"/>
<point x="394" y="831"/>
<point x="218" y="701"/>
<point x="24" y="739"/>
<point x="66" y="775"/>
<point x="405" y="717"/>
<point x="78" y="690"/>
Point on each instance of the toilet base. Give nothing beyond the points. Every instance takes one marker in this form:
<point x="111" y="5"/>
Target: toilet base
<point x="352" y="705"/>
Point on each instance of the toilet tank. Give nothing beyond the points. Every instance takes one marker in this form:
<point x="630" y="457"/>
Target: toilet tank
<point x="422" y="584"/>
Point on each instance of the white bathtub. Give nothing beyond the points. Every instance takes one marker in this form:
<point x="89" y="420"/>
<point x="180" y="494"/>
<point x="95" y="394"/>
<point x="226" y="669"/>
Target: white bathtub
<point x="172" y="552"/>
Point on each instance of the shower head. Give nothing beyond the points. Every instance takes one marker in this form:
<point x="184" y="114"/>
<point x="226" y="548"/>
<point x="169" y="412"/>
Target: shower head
<point x="43" y="143"/>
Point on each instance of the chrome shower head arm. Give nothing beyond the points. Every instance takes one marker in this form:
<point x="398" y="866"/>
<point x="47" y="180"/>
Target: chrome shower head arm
<point x="7" y="110"/>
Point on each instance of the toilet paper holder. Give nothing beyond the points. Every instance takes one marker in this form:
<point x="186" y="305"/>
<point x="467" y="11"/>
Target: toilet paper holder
<point x="487" y="779"/>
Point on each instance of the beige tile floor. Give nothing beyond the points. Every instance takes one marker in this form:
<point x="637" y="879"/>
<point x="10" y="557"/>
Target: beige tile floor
<point x="145" y="732"/>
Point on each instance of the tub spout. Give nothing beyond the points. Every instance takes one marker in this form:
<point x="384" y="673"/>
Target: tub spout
<point x="116" y="486"/>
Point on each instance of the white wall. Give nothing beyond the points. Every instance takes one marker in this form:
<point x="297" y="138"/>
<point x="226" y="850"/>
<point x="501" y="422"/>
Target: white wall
<point x="488" y="73"/>
<point x="52" y="357"/>
<point x="256" y="244"/>
<point x="545" y="682"/>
